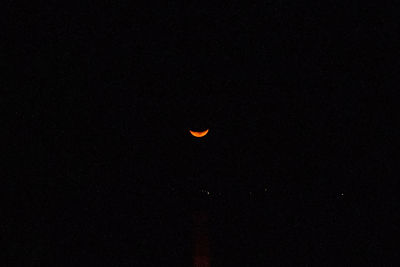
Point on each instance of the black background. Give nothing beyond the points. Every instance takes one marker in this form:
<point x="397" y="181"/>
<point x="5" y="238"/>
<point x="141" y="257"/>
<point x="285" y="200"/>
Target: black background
<point x="102" y="171"/>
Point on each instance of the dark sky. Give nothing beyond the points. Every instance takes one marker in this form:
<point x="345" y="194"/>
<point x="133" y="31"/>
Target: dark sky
<point x="298" y="99"/>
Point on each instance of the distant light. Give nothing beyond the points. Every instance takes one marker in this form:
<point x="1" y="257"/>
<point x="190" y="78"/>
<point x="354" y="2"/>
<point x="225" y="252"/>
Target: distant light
<point x="340" y="195"/>
<point x="265" y="189"/>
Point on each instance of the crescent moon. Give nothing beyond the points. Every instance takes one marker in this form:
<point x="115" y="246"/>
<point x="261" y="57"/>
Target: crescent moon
<point x="198" y="134"/>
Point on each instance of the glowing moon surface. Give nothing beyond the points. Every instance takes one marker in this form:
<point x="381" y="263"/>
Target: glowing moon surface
<point x="199" y="134"/>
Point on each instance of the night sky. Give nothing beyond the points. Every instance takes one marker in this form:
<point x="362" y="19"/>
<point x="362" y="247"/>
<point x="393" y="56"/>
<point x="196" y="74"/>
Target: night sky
<point x="297" y="168"/>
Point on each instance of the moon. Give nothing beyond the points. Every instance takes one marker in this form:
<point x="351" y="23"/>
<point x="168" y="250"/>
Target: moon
<point x="198" y="134"/>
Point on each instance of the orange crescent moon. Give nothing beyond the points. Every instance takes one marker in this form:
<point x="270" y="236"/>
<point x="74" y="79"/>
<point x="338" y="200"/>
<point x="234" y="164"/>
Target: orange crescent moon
<point x="198" y="134"/>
